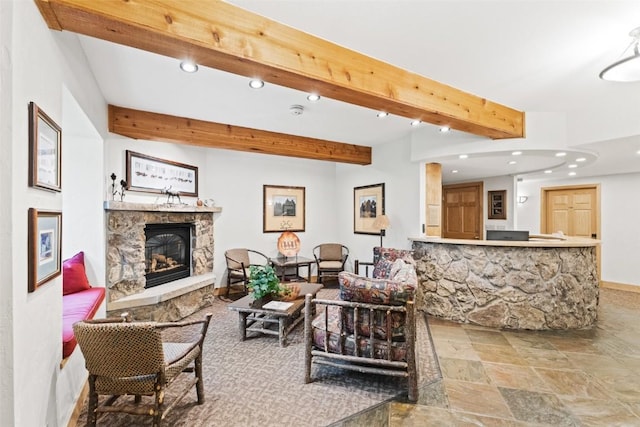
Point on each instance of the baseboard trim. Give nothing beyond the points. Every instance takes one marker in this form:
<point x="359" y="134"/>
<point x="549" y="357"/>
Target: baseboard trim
<point x="75" y="415"/>
<point x="620" y="286"/>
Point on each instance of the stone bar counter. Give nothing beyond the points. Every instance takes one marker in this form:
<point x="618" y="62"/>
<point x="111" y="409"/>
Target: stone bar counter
<point x="543" y="283"/>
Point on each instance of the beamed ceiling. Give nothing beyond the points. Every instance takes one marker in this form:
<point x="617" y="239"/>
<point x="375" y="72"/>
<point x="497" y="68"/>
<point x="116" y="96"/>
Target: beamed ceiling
<point x="225" y="37"/>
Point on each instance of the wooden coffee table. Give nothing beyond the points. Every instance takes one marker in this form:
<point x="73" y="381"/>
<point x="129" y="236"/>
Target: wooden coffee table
<point x="255" y="318"/>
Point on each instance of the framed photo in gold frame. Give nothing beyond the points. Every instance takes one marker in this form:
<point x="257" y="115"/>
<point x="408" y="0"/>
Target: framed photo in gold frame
<point x="283" y="209"/>
<point x="368" y="204"/>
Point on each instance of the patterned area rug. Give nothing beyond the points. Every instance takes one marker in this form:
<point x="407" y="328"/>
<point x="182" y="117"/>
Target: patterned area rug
<point x="259" y="383"/>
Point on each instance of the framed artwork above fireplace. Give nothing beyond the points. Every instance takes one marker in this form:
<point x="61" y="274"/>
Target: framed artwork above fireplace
<point x="154" y="175"/>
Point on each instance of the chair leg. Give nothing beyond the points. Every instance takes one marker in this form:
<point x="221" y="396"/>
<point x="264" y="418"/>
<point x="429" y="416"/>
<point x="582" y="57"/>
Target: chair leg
<point x="159" y="401"/>
<point x="200" y="383"/>
<point x="92" y="416"/>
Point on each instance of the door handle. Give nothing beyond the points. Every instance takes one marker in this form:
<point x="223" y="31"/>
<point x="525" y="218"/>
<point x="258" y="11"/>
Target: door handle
<point x="594" y="236"/>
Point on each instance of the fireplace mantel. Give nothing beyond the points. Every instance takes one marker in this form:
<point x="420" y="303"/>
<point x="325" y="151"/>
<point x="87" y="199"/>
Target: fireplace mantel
<point x="125" y="260"/>
<point x="113" y="205"/>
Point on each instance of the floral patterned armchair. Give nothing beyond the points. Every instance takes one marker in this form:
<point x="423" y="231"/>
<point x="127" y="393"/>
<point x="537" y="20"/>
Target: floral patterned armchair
<point x="372" y="327"/>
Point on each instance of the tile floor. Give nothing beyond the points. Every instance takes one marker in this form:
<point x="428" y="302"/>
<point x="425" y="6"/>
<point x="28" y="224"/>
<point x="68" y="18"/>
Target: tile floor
<point x="494" y="377"/>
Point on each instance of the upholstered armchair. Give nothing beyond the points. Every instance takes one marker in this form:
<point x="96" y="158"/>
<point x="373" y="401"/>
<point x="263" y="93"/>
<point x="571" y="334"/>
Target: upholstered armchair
<point x="131" y="358"/>
<point x="372" y="327"/>
<point x="238" y="262"/>
<point x="330" y="259"/>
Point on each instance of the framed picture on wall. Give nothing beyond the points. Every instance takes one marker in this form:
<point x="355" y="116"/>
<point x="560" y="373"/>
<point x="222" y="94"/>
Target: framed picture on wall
<point x="153" y="175"/>
<point x="497" y="201"/>
<point x="45" y="143"/>
<point x="368" y="204"/>
<point x="44" y="247"/>
<point x="283" y="209"/>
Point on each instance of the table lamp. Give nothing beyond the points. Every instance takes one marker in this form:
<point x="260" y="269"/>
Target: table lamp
<point x="381" y="223"/>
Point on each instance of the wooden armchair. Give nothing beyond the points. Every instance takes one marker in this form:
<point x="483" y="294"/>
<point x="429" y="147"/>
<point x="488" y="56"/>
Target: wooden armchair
<point x="131" y="358"/>
<point x="238" y="262"/>
<point x="330" y="259"/>
<point x="371" y="329"/>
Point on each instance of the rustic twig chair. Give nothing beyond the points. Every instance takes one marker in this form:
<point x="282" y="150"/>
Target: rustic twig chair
<point x="131" y="358"/>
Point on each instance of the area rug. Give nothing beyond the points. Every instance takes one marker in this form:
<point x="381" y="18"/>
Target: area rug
<point x="258" y="383"/>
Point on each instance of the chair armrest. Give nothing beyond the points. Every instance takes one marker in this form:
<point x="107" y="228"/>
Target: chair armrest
<point x="366" y="264"/>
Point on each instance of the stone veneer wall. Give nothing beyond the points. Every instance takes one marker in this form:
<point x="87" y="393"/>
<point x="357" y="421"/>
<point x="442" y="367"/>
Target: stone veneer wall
<point x="508" y="287"/>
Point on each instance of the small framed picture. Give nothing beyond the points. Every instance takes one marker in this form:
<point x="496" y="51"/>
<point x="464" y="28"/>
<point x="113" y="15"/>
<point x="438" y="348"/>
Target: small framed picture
<point x="497" y="201"/>
<point x="45" y="237"/>
<point x="283" y="209"/>
<point x="368" y="204"/>
<point x="45" y="157"/>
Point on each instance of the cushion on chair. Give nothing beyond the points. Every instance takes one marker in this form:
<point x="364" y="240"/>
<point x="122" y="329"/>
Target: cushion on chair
<point x="331" y="251"/>
<point x="376" y="291"/>
<point x="330" y="265"/>
<point x="74" y="277"/>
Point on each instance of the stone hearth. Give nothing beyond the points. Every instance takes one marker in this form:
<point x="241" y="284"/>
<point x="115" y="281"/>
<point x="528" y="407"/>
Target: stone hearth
<point x="125" y="263"/>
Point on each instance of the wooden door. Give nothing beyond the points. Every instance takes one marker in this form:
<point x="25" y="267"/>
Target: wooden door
<point x="572" y="211"/>
<point x="462" y="211"/>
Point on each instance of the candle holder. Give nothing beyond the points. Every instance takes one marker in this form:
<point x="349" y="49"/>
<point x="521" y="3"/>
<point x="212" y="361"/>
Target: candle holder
<point x="123" y="185"/>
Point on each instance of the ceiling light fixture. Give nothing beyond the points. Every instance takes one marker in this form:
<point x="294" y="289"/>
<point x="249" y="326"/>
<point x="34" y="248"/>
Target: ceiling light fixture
<point x="581" y="159"/>
<point x="416" y="123"/>
<point x="454" y="171"/>
<point x="463" y="156"/>
<point x="548" y="171"/>
<point x="516" y="153"/>
<point x="445" y="129"/>
<point x="627" y="69"/>
<point x="313" y="97"/>
<point x="382" y="114"/>
<point x="561" y="154"/>
<point x="256" y="83"/>
<point x="188" y="66"/>
<point x="573" y="166"/>
<point x="512" y="162"/>
<point x="572" y="174"/>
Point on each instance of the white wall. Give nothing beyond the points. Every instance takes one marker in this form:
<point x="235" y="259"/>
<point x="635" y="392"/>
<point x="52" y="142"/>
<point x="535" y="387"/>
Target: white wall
<point x="42" y="62"/>
<point x="391" y="165"/>
<point x="620" y="228"/>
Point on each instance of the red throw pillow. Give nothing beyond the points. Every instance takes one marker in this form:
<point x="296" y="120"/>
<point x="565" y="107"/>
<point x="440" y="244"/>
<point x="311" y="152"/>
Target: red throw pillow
<point x="74" y="278"/>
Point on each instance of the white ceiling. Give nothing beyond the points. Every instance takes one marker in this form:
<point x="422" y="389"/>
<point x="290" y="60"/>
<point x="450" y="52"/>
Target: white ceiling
<point x="535" y="56"/>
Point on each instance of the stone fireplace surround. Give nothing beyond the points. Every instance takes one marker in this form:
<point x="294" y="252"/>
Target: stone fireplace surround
<point x="125" y="263"/>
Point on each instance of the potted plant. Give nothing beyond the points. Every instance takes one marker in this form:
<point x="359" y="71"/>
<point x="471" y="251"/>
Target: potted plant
<point x="264" y="284"/>
<point x="263" y="281"/>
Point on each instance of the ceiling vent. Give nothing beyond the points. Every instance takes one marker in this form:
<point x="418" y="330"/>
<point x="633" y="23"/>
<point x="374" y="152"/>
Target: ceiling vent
<point x="296" y="110"/>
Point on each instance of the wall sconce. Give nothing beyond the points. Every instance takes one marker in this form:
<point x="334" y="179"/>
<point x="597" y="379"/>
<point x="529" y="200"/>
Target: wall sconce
<point x="522" y="199"/>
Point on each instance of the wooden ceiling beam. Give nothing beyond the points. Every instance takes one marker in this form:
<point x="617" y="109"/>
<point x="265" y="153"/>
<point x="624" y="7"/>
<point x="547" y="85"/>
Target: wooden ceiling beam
<point x="223" y="36"/>
<point x="162" y="127"/>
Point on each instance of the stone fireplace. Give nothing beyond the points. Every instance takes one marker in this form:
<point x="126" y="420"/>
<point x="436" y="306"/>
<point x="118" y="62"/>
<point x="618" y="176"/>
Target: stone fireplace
<point x="145" y="238"/>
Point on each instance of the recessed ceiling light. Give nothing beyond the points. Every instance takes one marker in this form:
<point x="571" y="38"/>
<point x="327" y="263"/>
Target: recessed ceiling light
<point x="512" y="162"/>
<point x="561" y="154"/>
<point x="382" y="114"/>
<point x="548" y="171"/>
<point x="454" y="171"/>
<point x="572" y="174"/>
<point x="573" y="166"/>
<point x="516" y="153"/>
<point x="256" y="83"/>
<point x="638" y="152"/>
<point x="415" y="123"/>
<point x="463" y="156"/>
<point x="313" y="97"/>
<point x="445" y="129"/>
<point x="581" y="159"/>
<point x="188" y="66"/>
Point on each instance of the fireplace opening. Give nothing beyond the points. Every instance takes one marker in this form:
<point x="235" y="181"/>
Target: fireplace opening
<point x="167" y="253"/>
